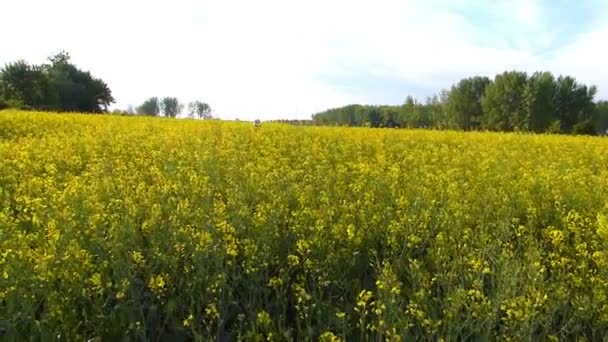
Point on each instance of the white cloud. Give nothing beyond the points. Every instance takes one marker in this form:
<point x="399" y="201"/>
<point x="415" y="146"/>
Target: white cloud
<point x="585" y="59"/>
<point x="528" y="12"/>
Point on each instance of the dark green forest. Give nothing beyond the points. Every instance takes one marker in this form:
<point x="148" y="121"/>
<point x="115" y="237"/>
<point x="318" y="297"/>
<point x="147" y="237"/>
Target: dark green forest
<point x="512" y="101"/>
<point x="54" y="86"/>
<point x="60" y="86"/>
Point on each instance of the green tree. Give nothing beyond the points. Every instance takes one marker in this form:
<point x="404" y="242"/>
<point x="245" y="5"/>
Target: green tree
<point x="436" y="106"/>
<point x="390" y="117"/>
<point x="150" y="107"/>
<point x="538" y="101"/>
<point x="373" y="117"/>
<point x="346" y="115"/>
<point x="463" y="107"/>
<point x="199" y="109"/>
<point x="600" y="117"/>
<point x="361" y="115"/>
<point x="4" y="104"/>
<point x="503" y="103"/>
<point x="512" y="101"/>
<point x="585" y="127"/>
<point x="409" y="111"/>
<point x="573" y="102"/>
<point x="170" y="106"/>
<point x="74" y="89"/>
<point x="59" y="85"/>
<point x="25" y="85"/>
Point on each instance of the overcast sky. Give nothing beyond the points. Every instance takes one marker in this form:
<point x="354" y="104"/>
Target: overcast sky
<point x="288" y="59"/>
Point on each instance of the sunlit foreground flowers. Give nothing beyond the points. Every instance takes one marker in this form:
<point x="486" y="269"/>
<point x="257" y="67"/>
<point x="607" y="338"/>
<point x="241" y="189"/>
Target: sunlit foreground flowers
<point x="116" y="228"/>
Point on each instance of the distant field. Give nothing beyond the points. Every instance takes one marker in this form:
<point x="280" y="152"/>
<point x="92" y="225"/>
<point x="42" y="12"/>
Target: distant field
<point x="158" y="229"/>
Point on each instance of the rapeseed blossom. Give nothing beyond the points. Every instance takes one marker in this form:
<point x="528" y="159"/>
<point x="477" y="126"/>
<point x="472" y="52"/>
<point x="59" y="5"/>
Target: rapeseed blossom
<point x="143" y="228"/>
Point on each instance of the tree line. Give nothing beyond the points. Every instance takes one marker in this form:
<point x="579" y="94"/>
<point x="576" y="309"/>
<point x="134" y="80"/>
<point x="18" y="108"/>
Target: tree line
<point x="169" y="107"/>
<point x="512" y="101"/>
<point x="58" y="85"/>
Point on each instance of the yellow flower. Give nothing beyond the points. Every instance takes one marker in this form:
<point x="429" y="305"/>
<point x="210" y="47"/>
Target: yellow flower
<point x="329" y="337"/>
<point x="157" y="284"/>
<point x="96" y="283"/>
<point x="293" y="260"/>
<point x="188" y="321"/>
<point x="263" y="319"/>
<point x="137" y="257"/>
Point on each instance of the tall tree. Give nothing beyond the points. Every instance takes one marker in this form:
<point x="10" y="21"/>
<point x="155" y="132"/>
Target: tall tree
<point x="512" y="101"/>
<point x="390" y="117"/>
<point x="463" y="105"/>
<point x="436" y="109"/>
<point x="59" y="86"/>
<point x="199" y="109"/>
<point x="573" y="102"/>
<point x="4" y="104"/>
<point x="150" y="107"/>
<point x="538" y="101"/>
<point x="503" y="102"/>
<point x="25" y="85"/>
<point x="346" y="115"/>
<point x="170" y="106"/>
<point x="416" y="114"/>
<point x="373" y="117"/>
<point x="76" y="90"/>
<point x="601" y="117"/>
<point x="409" y="111"/>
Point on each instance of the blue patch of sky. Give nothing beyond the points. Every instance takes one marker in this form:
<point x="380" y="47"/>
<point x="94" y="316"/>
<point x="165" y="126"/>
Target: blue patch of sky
<point x="558" y="24"/>
<point x="370" y="88"/>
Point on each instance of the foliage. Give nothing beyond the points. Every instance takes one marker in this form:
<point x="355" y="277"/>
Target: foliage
<point x="150" y="107"/>
<point x="555" y="127"/>
<point x="539" y="101"/>
<point x="294" y="122"/>
<point x="600" y="117"/>
<point x="511" y="102"/>
<point x="199" y="109"/>
<point x="411" y="114"/>
<point x="59" y="85"/>
<point x="25" y="85"/>
<point x="464" y="103"/>
<point x="504" y="103"/>
<point x="170" y="106"/>
<point x="573" y="102"/>
<point x="115" y="228"/>
<point x="584" y="128"/>
<point x="4" y="104"/>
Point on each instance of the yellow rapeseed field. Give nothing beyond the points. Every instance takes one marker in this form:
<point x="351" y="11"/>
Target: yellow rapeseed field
<point x="116" y="228"/>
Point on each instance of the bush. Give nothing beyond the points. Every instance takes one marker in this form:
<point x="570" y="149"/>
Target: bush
<point x="16" y="104"/>
<point x="584" y="128"/>
<point x="555" y="127"/>
<point x="3" y="104"/>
